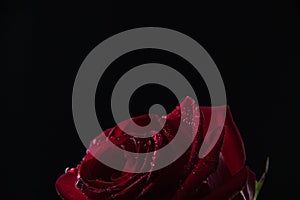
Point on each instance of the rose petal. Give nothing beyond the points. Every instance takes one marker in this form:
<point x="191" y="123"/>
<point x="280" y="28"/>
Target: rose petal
<point x="65" y="187"/>
<point x="232" y="187"/>
<point x="233" y="149"/>
<point x="201" y="171"/>
<point x="249" y="189"/>
<point x="220" y="176"/>
<point x="164" y="183"/>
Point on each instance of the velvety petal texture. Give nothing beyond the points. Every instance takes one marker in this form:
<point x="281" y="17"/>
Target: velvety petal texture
<point x="221" y="174"/>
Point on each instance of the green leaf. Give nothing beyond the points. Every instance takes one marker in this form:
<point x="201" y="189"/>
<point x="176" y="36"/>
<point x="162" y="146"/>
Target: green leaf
<point x="260" y="183"/>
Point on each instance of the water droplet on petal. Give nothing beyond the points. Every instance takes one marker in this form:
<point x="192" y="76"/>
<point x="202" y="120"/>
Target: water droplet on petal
<point x="67" y="169"/>
<point x="94" y="141"/>
<point x="70" y="170"/>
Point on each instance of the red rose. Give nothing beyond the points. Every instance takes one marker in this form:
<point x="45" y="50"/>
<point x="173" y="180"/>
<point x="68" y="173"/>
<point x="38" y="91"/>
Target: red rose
<point x="221" y="174"/>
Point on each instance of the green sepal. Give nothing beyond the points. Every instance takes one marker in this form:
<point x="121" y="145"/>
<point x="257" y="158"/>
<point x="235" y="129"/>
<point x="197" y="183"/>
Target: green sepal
<point x="260" y="183"/>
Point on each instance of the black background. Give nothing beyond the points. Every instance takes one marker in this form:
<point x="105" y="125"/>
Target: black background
<point x="255" y="46"/>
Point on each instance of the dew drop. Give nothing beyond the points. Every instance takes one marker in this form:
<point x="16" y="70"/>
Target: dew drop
<point x="67" y="169"/>
<point x="70" y="170"/>
<point x="94" y="141"/>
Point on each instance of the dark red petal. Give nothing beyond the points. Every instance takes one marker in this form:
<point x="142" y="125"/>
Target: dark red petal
<point x="233" y="149"/>
<point x="164" y="182"/>
<point x="232" y="187"/>
<point x="190" y="119"/>
<point x="249" y="189"/>
<point x="201" y="171"/>
<point x="65" y="187"/>
<point x="93" y="169"/>
<point x="220" y="176"/>
<point x="131" y="191"/>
